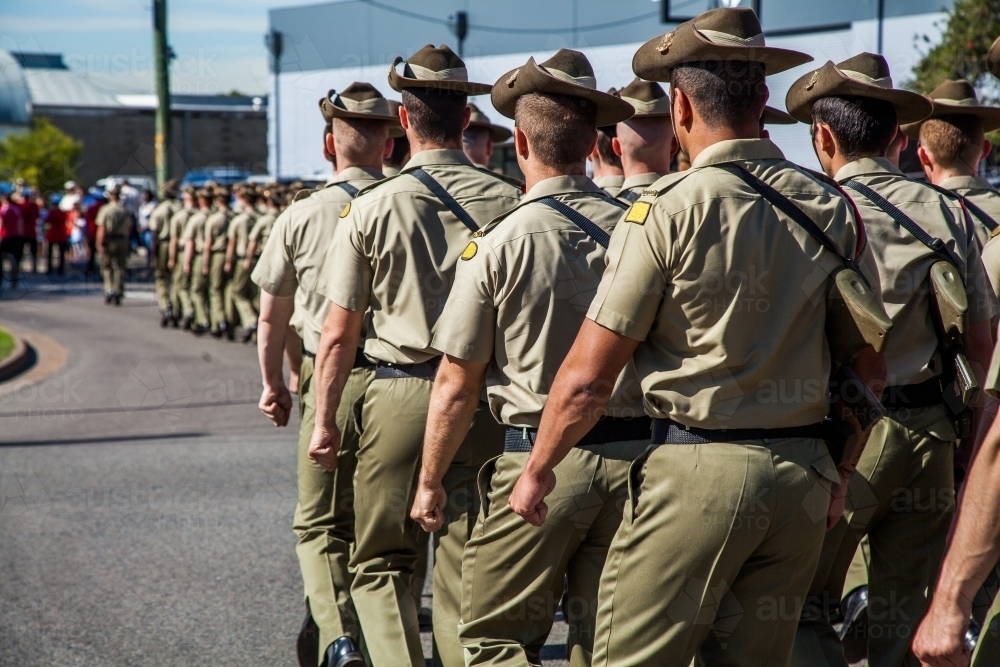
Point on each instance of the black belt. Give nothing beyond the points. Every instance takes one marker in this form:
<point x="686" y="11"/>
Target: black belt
<point x="607" y="429"/>
<point x="669" y="432"/>
<point x="360" y="360"/>
<point x="922" y="395"/>
<point x="425" y="370"/>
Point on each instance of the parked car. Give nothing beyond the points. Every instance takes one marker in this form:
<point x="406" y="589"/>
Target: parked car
<point x="138" y="182"/>
<point x="221" y="175"/>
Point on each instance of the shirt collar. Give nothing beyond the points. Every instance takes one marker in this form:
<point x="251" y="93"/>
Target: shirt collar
<point x="641" y="179"/>
<point x="614" y="180"/>
<point x="560" y="185"/>
<point x="732" y="150"/>
<point x="356" y="174"/>
<point x="966" y="183"/>
<point x="438" y="156"/>
<point x="866" y="166"/>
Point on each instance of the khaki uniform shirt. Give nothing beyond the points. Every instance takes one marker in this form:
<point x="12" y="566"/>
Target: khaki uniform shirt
<point x="261" y="230"/>
<point x="982" y="194"/>
<point x="610" y="184"/>
<point x="217" y="229"/>
<point x="904" y="264"/>
<point x="290" y="264"/>
<point x="194" y="230"/>
<point x="159" y="219"/>
<point x="239" y="229"/>
<point x="115" y="220"/>
<point x="726" y="295"/>
<point x="396" y="248"/>
<point x="178" y="221"/>
<point x="522" y="292"/>
<point x="388" y="171"/>
<point x="637" y="184"/>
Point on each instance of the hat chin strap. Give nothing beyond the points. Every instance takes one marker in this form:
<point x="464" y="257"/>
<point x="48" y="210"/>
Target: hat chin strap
<point x="861" y="77"/>
<point x="724" y="38"/>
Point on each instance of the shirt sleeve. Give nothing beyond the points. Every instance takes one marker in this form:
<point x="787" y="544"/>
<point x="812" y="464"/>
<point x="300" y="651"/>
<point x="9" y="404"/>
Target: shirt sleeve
<point x="347" y="273"/>
<point x="982" y="300"/>
<point x="467" y="326"/>
<point x="275" y="270"/>
<point x="101" y="217"/>
<point x="634" y="282"/>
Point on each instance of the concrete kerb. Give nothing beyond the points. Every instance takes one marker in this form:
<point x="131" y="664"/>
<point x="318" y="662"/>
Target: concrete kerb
<point x="18" y="360"/>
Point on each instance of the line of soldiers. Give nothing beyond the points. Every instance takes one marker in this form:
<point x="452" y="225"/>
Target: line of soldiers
<point x="672" y="408"/>
<point x="205" y="243"/>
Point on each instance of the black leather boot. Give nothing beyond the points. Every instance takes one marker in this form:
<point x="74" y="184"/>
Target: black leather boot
<point x="343" y="653"/>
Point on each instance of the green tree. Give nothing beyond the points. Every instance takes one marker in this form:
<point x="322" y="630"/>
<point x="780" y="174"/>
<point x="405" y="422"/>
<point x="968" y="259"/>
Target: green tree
<point x="45" y="156"/>
<point x="961" y="54"/>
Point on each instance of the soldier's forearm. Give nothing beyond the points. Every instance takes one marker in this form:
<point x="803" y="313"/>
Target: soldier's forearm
<point x="293" y="350"/>
<point x="334" y="360"/>
<point x="581" y="390"/>
<point x="454" y="398"/>
<point x="275" y="312"/>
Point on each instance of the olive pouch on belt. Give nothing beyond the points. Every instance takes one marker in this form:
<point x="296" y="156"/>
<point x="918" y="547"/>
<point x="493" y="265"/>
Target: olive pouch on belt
<point x="855" y="318"/>
<point x="951" y="307"/>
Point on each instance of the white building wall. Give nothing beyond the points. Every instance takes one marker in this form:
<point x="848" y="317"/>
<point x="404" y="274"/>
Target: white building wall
<point x="301" y="124"/>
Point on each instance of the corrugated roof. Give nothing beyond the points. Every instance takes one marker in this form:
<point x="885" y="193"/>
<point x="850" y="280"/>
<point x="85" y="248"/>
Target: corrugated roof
<point x="66" y="88"/>
<point x="15" y="98"/>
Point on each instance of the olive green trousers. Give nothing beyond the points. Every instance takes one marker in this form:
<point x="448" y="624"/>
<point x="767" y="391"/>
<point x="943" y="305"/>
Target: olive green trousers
<point x="199" y="291"/>
<point x="217" y="282"/>
<point x="513" y="572"/>
<point x="388" y="541"/>
<point x="324" y="517"/>
<point x="241" y="294"/>
<point x="715" y="552"/>
<point x="180" y="291"/>
<point x="161" y="277"/>
<point x="902" y="497"/>
<point x="113" y="264"/>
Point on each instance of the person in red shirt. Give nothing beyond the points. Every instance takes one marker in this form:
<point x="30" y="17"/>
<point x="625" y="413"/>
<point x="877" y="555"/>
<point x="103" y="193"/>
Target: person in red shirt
<point x="11" y="237"/>
<point x="56" y="235"/>
<point x="29" y="224"/>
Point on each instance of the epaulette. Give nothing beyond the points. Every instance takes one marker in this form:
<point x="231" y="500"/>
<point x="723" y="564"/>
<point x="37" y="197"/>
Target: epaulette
<point x="639" y="210"/>
<point x="302" y="194"/>
<point x="509" y="180"/>
<point x="376" y="184"/>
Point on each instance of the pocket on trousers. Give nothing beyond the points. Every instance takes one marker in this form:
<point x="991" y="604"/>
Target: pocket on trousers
<point x="483" y="484"/>
<point x="635" y="478"/>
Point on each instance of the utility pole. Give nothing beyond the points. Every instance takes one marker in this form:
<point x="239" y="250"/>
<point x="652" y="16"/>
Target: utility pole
<point x="161" y="55"/>
<point x="881" y="20"/>
<point x="274" y="45"/>
<point x="461" y="28"/>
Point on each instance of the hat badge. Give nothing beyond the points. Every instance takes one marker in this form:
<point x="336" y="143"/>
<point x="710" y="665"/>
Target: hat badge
<point x="812" y="80"/>
<point x="665" y="42"/>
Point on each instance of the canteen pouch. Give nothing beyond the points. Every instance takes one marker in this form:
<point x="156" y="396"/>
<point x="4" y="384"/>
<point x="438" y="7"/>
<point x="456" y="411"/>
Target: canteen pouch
<point x="855" y="318"/>
<point x="950" y="309"/>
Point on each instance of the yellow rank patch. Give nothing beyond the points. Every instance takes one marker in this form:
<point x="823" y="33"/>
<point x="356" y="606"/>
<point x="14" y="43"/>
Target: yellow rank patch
<point x="345" y="210"/>
<point x="638" y="212"/>
<point x="470" y="251"/>
<point x="995" y="232"/>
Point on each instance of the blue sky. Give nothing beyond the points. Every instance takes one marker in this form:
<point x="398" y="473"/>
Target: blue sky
<point x="219" y="43"/>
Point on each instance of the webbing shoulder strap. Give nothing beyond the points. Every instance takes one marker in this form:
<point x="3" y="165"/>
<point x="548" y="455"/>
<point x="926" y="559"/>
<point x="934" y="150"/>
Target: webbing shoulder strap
<point x="785" y="205"/>
<point x="587" y="226"/>
<point x="348" y="188"/>
<point x="935" y="245"/>
<point x="445" y="198"/>
<point x="978" y="213"/>
<point x="630" y="195"/>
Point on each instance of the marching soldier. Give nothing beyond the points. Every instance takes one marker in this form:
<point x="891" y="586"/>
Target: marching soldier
<point x="727" y="509"/>
<point x="480" y="136"/>
<point x="113" y="225"/>
<point x="359" y="120"/>
<point x="194" y="242"/>
<point x="395" y="251"/>
<point x="261" y="229"/>
<point x="854" y="113"/>
<point x="521" y="292"/>
<point x="159" y="226"/>
<point x="180" y="283"/>
<point x="214" y="263"/>
<point x="644" y="142"/>
<point x="952" y="144"/>
<point x="240" y="287"/>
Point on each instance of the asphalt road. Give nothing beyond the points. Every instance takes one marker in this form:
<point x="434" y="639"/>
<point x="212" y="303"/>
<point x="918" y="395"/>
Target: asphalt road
<point x="145" y="504"/>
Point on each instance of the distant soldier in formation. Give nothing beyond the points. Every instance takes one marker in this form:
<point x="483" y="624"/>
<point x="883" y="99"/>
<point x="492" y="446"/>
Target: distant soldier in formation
<point x="607" y="166"/>
<point x="480" y="136"/>
<point x="194" y="244"/>
<point x="113" y="225"/>
<point x="216" y="243"/>
<point x="180" y="284"/>
<point x="644" y="142"/>
<point x="159" y="227"/>
<point x="240" y="293"/>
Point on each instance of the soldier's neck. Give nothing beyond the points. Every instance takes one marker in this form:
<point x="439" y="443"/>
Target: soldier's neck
<point x="417" y="145"/>
<point x="535" y="172"/>
<point x="634" y="166"/>
<point x="939" y="174"/>
<point x="344" y="165"/>
<point x="696" y="137"/>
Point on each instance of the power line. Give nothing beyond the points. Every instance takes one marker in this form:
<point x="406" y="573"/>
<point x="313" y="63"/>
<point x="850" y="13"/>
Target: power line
<point x="499" y="29"/>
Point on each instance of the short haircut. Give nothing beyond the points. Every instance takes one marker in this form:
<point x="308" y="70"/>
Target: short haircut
<point x="726" y="94"/>
<point x="559" y="128"/>
<point x="604" y="149"/>
<point x="435" y="115"/>
<point x="476" y="135"/>
<point x="952" y="138"/>
<point x="400" y="148"/>
<point x="862" y="126"/>
<point x="359" y="139"/>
